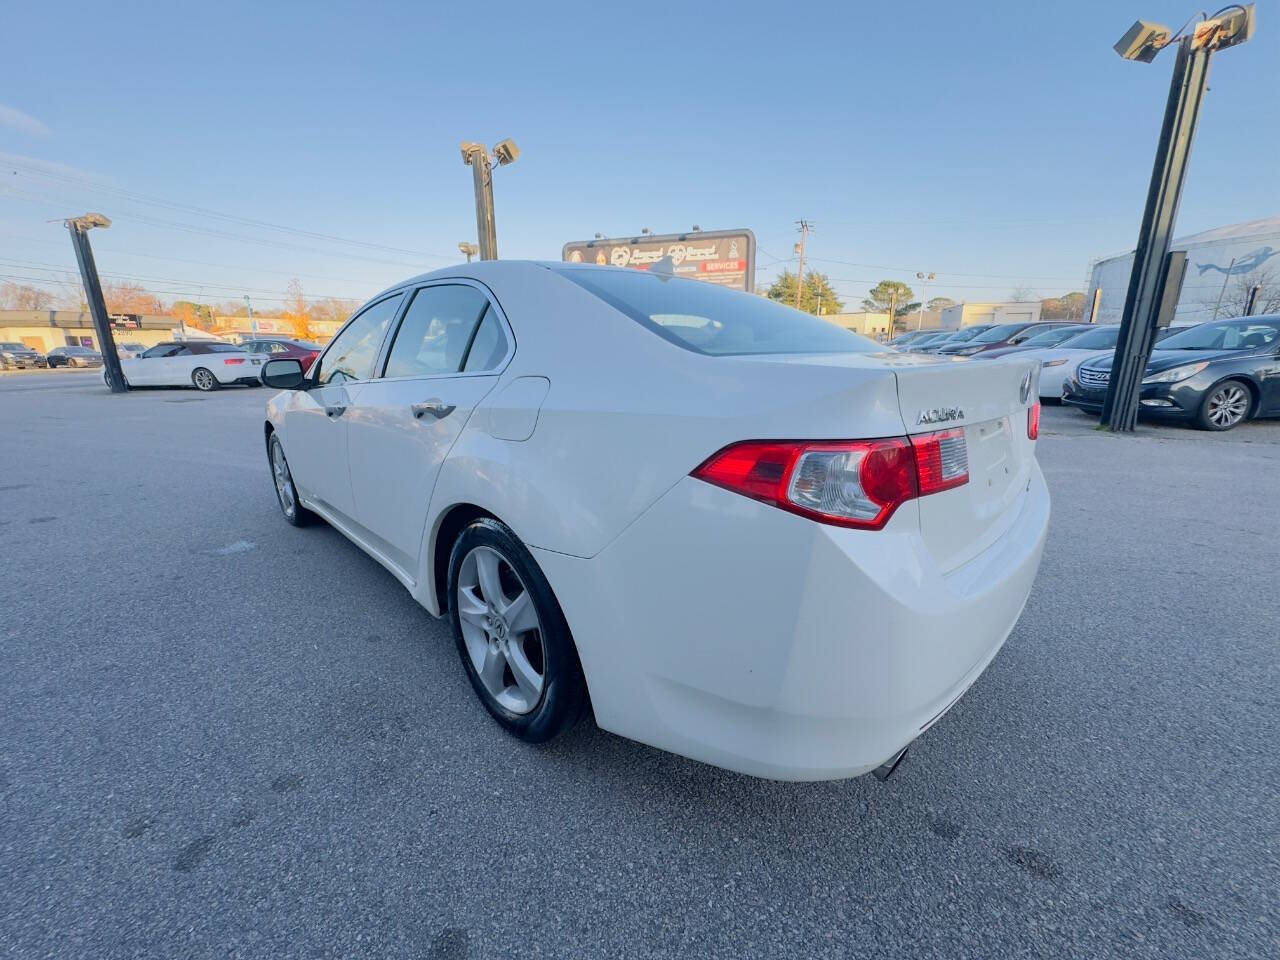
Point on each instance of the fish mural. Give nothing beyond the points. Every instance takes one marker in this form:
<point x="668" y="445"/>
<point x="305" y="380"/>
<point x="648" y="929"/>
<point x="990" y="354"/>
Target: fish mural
<point x="1247" y="264"/>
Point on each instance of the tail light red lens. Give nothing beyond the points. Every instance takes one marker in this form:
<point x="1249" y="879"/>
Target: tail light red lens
<point x="942" y="459"/>
<point x="1033" y="421"/>
<point x="851" y="483"/>
<point x="232" y="361"/>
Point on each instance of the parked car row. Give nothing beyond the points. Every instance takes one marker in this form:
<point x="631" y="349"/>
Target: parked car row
<point x="18" y="356"/>
<point x="1215" y="375"/>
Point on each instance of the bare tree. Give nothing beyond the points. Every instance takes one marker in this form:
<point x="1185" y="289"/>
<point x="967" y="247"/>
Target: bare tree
<point x="20" y="296"/>
<point x="1022" y="293"/>
<point x="1235" y="296"/>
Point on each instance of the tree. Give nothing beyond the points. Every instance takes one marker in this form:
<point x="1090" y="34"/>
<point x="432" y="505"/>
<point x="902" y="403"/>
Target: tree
<point x="126" y="297"/>
<point x="939" y="303"/>
<point x="297" y="312"/>
<point x="1235" y="296"/>
<point x="816" y="296"/>
<point x="1069" y="306"/>
<point x="20" y="296"/>
<point x="890" y="296"/>
<point x="1022" y="293"/>
<point x="332" y="310"/>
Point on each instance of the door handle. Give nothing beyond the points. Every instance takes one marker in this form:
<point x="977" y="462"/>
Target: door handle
<point x="333" y="413"/>
<point x="435" y="406"/>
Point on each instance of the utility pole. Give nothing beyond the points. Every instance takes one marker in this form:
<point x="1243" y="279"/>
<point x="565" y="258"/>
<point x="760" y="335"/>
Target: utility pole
<point x="253" y="321"/>
<point x="893" y="306"/>
<point x="1149" y="284"/>
<point x="1221" y="293"/>
<point x="924" y="279"/>
<point x="79" y="228"/>
<point x="477" y="158"/>
<point x="804" y="235"/>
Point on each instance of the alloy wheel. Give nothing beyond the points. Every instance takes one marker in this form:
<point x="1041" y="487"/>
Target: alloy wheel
<point x="284" y="482"/>
<point x="501" y="630"/>
<point x="203" y="379"/>
<point x="1228" y="405"/>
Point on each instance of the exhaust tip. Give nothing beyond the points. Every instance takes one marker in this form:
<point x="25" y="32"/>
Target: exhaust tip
<point x="890" y="766"/>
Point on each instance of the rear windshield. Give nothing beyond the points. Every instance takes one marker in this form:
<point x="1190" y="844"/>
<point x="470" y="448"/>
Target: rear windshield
<point x="218" y="348"/>
<point x="712" y="320"/>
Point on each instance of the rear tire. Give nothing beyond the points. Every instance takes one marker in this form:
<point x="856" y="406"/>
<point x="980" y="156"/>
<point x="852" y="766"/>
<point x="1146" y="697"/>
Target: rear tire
<point x="512" y="635"/>
<point x="1225" y="406"/>
<point x="204" y="380"/>
<point x="286" y="493"/>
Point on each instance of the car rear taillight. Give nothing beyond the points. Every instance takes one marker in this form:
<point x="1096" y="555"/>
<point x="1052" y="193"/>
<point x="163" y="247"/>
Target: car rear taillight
<point x="233" y="360"/>
<point x="850" y="483"/>
<point x="942" y="459"/>
<point x="1033" y="421"/>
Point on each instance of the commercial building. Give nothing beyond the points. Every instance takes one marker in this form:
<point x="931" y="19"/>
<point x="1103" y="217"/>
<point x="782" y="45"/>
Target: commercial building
<point x="45" y="329"/>
<point x="1005" y="311"/>
<point x="866" y="323"/>
<point x="1223" y="266"/>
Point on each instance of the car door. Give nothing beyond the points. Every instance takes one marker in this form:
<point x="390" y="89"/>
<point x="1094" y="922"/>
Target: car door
<point x="445" y="356"/>
<point x="315" y="418"/>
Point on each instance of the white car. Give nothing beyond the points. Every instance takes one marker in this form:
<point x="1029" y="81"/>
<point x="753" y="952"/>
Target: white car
<point x="204" y="364"/>
<point x="130" y="351"/>
<point x="739" y="532"/>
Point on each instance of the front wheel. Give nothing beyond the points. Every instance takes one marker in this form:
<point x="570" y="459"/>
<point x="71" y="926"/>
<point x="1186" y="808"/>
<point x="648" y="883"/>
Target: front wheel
<point x="286" y="492"/>
<point x="1224" y="406"/>
<point x="512" y="635"/>
<point x="204" y="380"/>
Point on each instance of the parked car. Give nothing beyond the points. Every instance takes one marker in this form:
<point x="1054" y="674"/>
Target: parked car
<point x="18" y="356"/>
<point x="901" y="341"/>
<point x="491" y="434"/>
<point x="936" y="338"/>
<point x="1215" y="375"/>
<point x="73" y="357"/>
<point x="1045" y="338"/>
<point x="130" y="351"/>
<point x="1058" y="363"/>
<point x="280" y="348"/>
<point x="1000" y="335"/>
<point x="206" y="365"/>
<point x="963" y="335"/>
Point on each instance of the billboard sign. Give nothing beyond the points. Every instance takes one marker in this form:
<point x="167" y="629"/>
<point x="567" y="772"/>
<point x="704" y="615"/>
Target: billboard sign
<point x="725" y="257"/>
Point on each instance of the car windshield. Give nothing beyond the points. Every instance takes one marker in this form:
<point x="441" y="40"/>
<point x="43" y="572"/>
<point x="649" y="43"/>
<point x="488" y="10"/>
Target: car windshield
<point x="1103" y="338"/>
<point x="967" y="334"/>
<point x="710" y="319"/>
<point x="995" y="334"/>
<point x="1049" y="338"/>
<point x="79" y="351"/>
<point x="13" y="346"/>
<point x="1232" y="335"/>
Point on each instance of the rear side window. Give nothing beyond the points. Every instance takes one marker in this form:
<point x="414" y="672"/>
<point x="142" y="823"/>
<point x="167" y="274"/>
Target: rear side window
<point x="711" y="319"/>
<point x="489" y="346"/>
<point x="354" y="351"/>
<point x="436" y="331"/>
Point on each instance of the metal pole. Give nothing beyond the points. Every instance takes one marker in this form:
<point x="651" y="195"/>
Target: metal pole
<point x="1221" y="293"/>
<point x="97" y="308"/>
<point x="482" y="178"/>
<point x="253" y="321"/>
<point x="804" y="235"/>
<point x="1141" y="304"/>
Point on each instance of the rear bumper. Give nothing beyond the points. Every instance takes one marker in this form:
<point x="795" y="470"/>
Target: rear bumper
<point x="743" y="636"/>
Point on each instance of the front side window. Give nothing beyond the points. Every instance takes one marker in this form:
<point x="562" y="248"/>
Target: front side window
<point x="436" y="331"/>
<point x="711" y="319"/>
<point x="1102" y="338"/>
<point x="354" y="351"/>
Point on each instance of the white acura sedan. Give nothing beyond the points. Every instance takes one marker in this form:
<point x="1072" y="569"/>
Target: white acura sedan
<point x="739" y="532"/>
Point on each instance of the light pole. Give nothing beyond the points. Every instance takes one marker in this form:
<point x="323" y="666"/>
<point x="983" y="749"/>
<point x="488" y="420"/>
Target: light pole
<point x="253" y="321"/>
<point x="1153" y="282"/>
<point x="79" y="228"/>
<point x="924" y="279"/>
<point x="477" y="158"/>
<point x="469" y="250"/>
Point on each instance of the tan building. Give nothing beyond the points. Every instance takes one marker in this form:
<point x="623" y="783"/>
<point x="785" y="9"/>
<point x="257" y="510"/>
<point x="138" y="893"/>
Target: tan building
<point x="875" y="325"/>
<point x="1004" y="311"/>
<point x="45" y="329"/>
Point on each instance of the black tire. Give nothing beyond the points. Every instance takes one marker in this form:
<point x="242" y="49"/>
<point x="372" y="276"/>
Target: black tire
<point x="204" y="379"/>
<point x="564" y="693"/>
<point x="1224" y="406"/>
<point x="294" y="512"/>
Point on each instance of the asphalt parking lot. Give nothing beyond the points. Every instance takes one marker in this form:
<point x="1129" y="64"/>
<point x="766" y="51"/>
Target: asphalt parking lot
<point x="223" y="736"/>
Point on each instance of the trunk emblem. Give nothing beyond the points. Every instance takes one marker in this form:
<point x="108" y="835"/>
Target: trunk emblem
<point x="940" y="415"/>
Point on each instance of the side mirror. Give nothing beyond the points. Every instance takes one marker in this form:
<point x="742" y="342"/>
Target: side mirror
<point x="282" y="374"/>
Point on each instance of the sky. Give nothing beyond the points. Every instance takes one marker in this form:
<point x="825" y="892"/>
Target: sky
<point x="1000" y="146"/>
